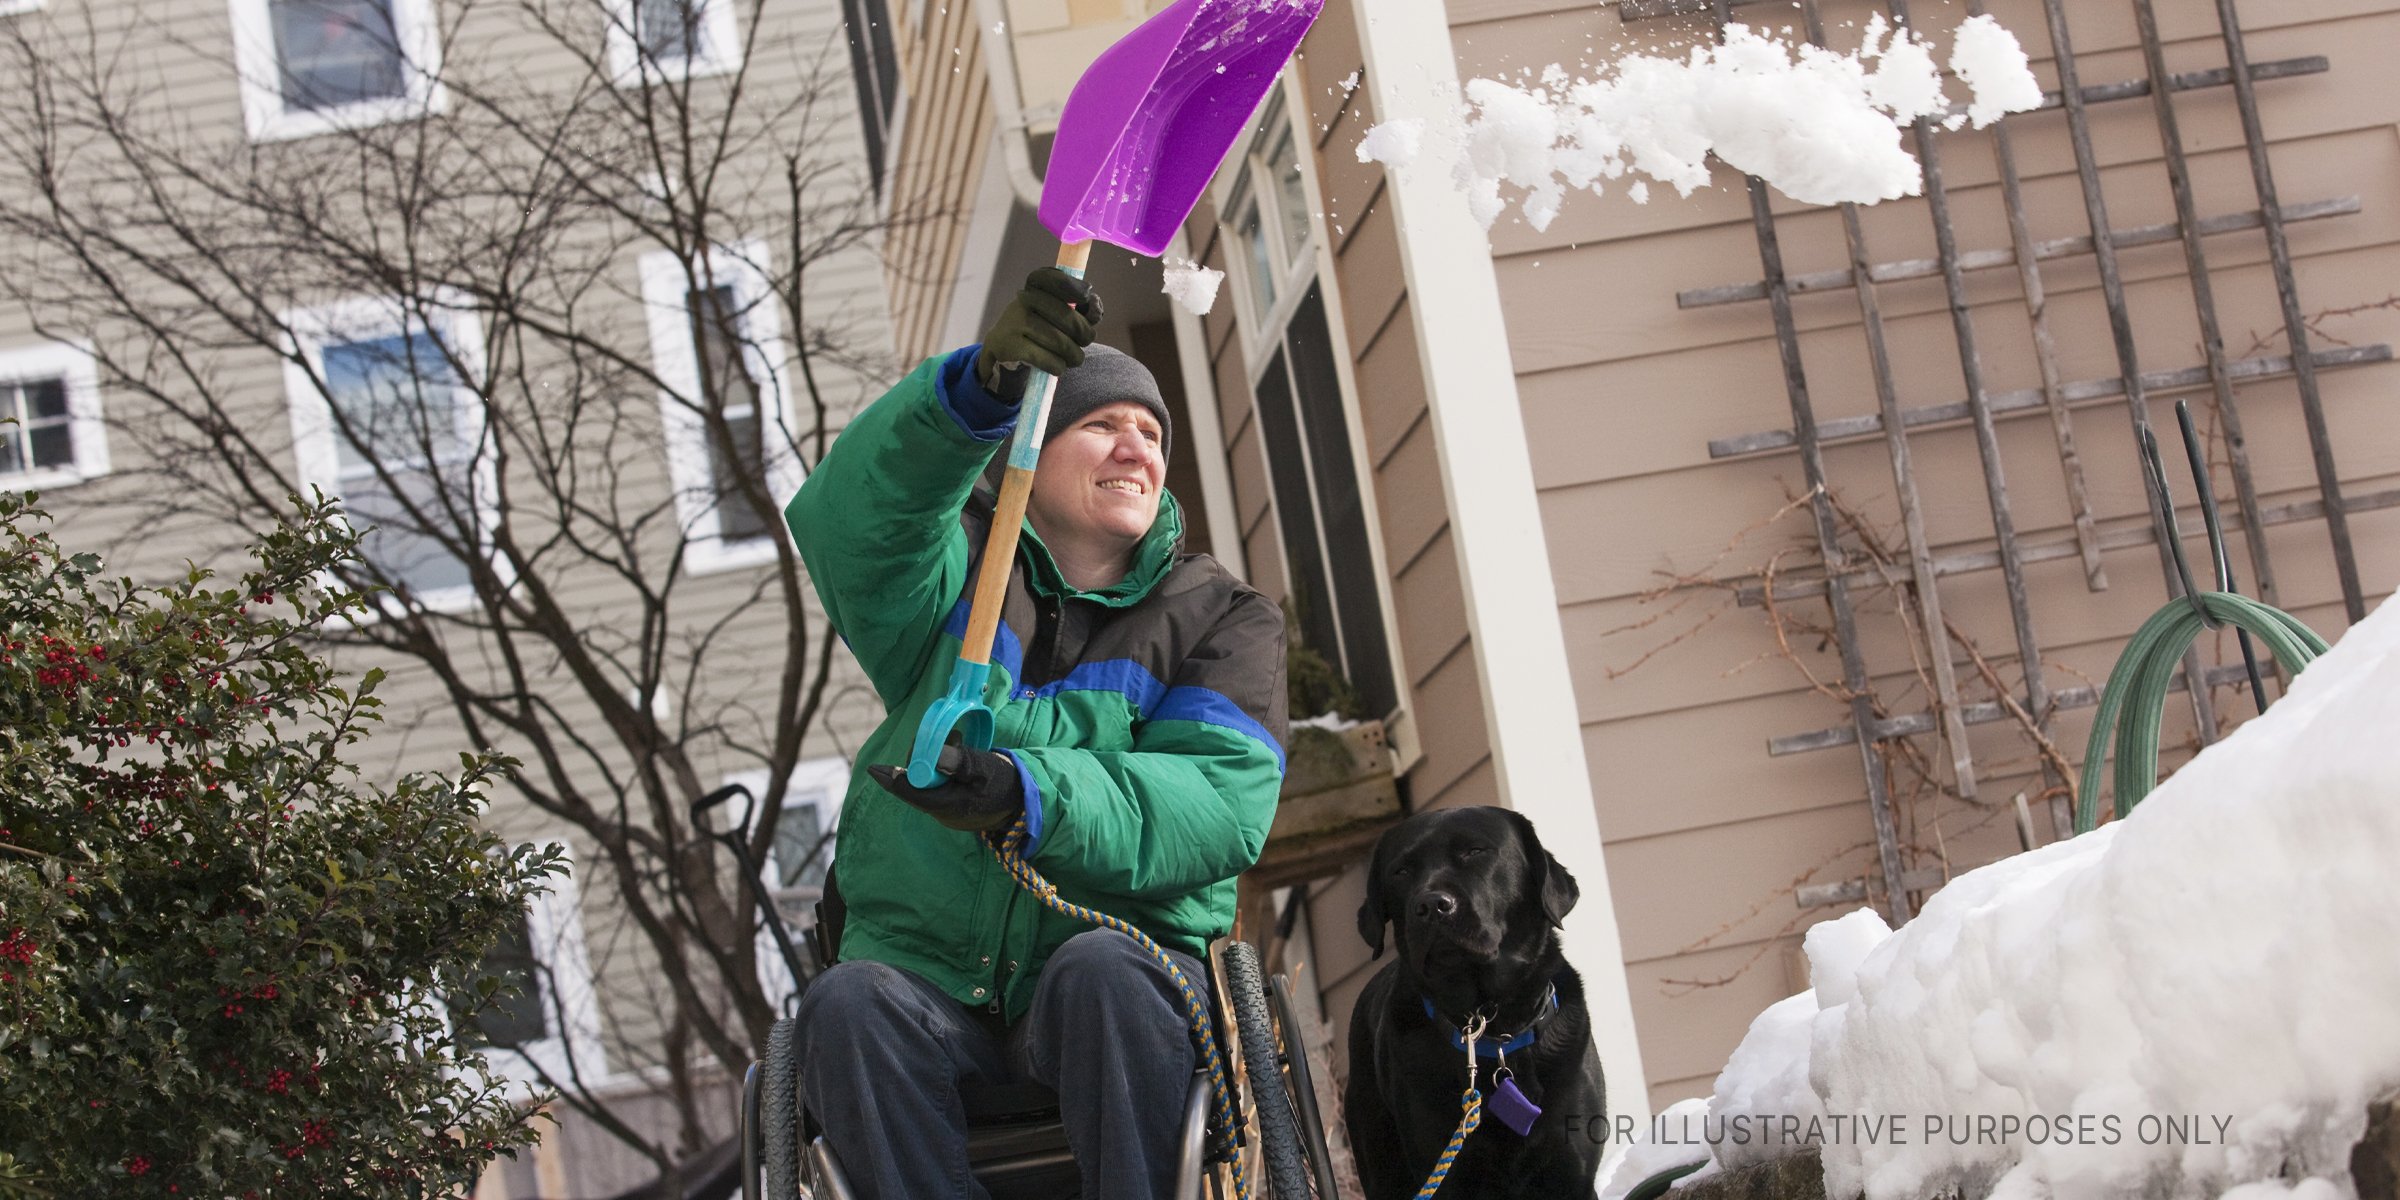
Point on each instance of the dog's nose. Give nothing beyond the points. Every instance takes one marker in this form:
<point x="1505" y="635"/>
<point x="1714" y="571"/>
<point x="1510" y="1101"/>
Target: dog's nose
<point x="1436" y="904"/>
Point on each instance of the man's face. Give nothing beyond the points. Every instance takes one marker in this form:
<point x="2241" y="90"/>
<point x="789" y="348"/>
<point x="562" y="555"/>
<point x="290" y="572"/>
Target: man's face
<point x="1100" y="478"/>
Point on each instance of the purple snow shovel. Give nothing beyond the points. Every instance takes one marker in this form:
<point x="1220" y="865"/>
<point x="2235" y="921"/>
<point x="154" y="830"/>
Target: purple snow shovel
<point x="1142" y="132"/>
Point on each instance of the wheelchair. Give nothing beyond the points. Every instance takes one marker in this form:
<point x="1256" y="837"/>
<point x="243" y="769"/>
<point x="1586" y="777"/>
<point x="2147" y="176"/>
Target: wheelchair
<point x="1016" y="1142"/>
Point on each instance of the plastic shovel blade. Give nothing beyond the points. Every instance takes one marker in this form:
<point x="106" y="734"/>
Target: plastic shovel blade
<point x="960" y="708"/>
<point x="1147" y="125"/>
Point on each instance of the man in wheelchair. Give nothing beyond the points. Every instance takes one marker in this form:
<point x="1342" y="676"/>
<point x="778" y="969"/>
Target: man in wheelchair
<point x="1139" y="705"/>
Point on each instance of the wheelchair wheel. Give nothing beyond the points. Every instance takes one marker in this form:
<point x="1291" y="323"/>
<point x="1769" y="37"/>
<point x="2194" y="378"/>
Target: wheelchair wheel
<point x="779" y="1110"/>
<point x="1289" y="1035"/>
<point x="1278" y="1128"/>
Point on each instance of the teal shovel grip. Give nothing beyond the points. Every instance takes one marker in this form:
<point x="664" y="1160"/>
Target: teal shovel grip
<point x="961" y="709"/>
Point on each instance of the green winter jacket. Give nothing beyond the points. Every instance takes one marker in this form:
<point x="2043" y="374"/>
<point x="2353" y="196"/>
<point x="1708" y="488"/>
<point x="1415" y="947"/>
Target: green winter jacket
<point x="1146" y="719"/>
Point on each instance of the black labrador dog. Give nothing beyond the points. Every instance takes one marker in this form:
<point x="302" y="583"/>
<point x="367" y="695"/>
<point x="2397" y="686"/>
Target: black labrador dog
<point x="1474" y="902"/>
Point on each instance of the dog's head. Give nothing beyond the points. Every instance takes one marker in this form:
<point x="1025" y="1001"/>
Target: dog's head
<point x="1470" y="892"/>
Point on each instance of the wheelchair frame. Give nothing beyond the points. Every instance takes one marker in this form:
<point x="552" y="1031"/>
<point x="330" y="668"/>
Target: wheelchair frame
<point x="1259" y="1033"/>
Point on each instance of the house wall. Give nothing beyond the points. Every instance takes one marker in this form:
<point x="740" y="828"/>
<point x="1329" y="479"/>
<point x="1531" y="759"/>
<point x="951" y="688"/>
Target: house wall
<point x="185" y="46"/>
<point x="945" y="141"/>
<point x="1678" y="691"/>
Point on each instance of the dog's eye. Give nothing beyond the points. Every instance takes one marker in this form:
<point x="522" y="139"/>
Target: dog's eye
<point x="1473" y="851"/>
<point x="1402" y="871"/>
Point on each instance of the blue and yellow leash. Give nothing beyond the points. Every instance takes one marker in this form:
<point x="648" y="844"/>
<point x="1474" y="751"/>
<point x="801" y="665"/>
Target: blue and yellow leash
<point x="1471" y="1115"/>
<point x="1009" y="847"/>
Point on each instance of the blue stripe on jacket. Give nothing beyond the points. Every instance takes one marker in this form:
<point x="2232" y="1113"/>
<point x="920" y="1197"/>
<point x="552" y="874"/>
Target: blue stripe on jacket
<point x="1152" y="700"/>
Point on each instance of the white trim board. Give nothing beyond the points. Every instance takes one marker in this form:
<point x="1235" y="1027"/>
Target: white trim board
<point x="1496" y="519"/>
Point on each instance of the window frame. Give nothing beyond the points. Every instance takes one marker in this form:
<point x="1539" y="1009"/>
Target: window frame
<point x="259" y="66"/>
<point x="1263" y="332"/>
<point x="73" y="364"/>
<point x="828" y="781"/>
<point x="317" y="454"/>
<point x="675" y="358"/>
<point x="720" y="36"/>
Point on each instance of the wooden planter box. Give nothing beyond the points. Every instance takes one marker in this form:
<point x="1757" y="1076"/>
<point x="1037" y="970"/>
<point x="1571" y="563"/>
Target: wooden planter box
<point x="1339" y="795"/>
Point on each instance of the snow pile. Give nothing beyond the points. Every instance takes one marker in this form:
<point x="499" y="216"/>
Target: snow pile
<point x="2194" y="999"/>
<point x="1823" y="127"/>
<point x="1193" y="286"/>
<point x="1671" y="1141"/>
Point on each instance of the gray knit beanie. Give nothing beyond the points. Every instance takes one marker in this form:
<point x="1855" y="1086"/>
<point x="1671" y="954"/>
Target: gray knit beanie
<point x="1107" y="376"/>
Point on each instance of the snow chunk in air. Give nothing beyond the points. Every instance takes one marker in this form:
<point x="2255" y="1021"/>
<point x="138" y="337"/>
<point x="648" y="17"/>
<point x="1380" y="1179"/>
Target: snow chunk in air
<point x="1193" y="286"/>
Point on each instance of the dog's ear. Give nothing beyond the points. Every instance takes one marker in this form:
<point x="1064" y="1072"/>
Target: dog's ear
<point x="1371" y="916"/>
<point x="1558" y="890"/>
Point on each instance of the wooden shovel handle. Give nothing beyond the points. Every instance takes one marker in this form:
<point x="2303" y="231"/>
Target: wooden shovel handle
<point x="1000" y="545"/>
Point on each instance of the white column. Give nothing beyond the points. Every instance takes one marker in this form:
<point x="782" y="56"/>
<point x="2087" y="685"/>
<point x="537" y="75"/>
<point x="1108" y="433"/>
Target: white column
<point x="1495" y="518"/>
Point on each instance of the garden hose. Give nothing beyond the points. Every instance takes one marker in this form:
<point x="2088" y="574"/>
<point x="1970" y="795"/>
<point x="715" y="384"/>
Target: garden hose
<point x="2133" y="706"/>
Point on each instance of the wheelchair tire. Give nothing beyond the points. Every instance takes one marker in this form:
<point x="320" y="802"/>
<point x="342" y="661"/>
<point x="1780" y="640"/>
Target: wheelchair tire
<point x="1253" y="1023"/>
<point x="779" y="1110"/>
<point x="1290" y="1035"/>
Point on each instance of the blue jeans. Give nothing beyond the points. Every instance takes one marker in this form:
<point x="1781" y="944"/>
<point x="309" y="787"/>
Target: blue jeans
<point x="882" y="1053"/>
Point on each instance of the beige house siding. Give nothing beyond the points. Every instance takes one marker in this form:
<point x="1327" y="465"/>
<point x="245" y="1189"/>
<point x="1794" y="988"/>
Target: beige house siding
<point x="1622" y="392"/>
<point x="186" y="45"/>
<point x="944" y="141"/>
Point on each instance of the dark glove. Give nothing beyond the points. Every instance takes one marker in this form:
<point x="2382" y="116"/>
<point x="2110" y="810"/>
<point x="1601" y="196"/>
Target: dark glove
<point x="982" y="791"/>
<point x="1046" y="327"/>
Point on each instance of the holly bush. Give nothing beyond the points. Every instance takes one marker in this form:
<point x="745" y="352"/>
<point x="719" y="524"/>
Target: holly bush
<point x="228" y="963"/>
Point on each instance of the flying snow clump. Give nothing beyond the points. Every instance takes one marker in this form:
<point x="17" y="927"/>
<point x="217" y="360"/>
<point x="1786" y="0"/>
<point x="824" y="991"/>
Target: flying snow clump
<point x="1193" y="286"/>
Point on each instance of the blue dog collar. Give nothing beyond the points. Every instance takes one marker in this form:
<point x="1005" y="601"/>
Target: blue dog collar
<point x="1491" y="1048"/>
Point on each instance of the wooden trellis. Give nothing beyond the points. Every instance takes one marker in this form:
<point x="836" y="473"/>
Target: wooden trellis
<point x="1896" y="416"/>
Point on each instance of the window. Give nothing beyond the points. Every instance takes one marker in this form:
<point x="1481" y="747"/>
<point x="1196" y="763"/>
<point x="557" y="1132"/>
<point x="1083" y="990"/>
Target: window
<point x="518" y="1014"/>
<point x="545" y="1020"/>
<point x="796" y="864"/>
<point x="1304" y="419"/>
<point x="383" y="417"/>
<point x="717" y="348"/>
<point x="876" y="70"/>
<point x="50" y="431"/>
<point x="664" y="41"/>
<point x="312" y="66"/>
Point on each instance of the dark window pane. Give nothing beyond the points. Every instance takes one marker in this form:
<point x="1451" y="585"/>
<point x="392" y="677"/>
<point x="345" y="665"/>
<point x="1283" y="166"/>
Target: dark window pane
<point x="517" y="1014"/>
<point x="335" y="52"/>
<point x="737" y="517"/>
<point x="800" y="860"/>
<point x="12" y="449"/>
<point x="1296" y="515"/>
<point x="53" y="446"/>
<point x="669" y="29"/>
<point x="1357" y="606"/>
<point x="46" y="397"/>
<point x="716" y="328"/>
